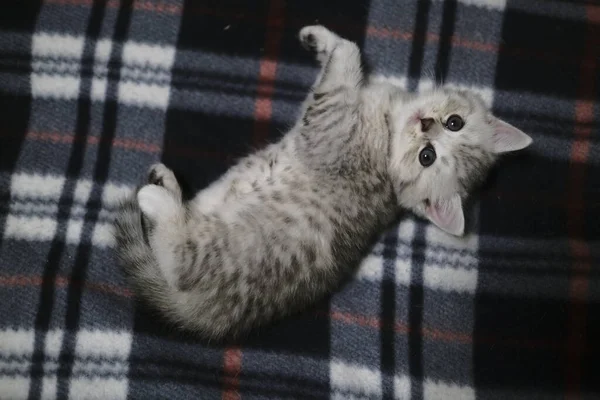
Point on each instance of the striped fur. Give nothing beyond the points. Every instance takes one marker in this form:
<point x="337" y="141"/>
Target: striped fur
<point x="283" y="227"/>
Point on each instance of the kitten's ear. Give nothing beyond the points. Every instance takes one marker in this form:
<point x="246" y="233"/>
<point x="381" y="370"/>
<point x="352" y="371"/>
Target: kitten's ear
<point x="508" y="138"/>
<point x="447" y="214"/>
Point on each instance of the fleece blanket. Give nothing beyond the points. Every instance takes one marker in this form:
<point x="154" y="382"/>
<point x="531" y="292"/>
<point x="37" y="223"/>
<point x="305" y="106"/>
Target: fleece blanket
<point x="93" y="92"/>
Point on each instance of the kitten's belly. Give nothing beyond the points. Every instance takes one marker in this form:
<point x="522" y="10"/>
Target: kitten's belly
<point x="255" y="172"/>
<point x="291" y="210"/>
<point x="290" y="235"/>
<point x="281" y="209"/>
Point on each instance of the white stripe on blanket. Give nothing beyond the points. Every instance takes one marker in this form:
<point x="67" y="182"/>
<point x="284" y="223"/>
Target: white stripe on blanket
<point x="96" y="353"/>
<point x="144" y="77"/>
<point x="353" y="381"/>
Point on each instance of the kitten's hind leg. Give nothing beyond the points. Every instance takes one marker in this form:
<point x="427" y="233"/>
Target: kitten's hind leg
<point x="339" y="57"/>
<point x="165" y="217"/>
<point x="161" y="198"/>
<point x="158" y="203"/>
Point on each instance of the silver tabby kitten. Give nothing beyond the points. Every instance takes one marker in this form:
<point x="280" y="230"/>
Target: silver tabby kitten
<point x="282" y="227"/>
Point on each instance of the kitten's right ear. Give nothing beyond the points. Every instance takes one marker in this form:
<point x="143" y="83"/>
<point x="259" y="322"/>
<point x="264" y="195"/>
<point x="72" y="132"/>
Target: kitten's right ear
<point x="508" y="138"/>
<point x="447" y="214"/>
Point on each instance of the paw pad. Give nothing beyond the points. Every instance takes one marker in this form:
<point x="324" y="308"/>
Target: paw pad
<point x="310" y="42"/>
<point x="315" y="38"/>
<point x="154" y="178"/>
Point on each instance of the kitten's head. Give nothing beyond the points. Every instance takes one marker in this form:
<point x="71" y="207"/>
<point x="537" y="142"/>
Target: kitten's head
<point x="443" y="144"/>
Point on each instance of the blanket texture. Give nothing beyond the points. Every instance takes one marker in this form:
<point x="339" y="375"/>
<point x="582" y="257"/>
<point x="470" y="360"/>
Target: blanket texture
<point x="93" y="92"/>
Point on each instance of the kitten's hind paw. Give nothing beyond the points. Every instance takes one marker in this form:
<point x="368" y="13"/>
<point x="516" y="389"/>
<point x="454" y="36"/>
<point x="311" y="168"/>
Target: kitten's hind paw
<point x="318" y="39"/>
<point x="160" y="175"/>
<point x="156" y="202"/>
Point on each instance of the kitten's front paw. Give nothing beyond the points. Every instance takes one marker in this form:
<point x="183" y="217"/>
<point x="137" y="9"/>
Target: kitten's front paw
<point x="156" y="202"/>
<point x="160" y="175"/>
<point x="318" y="38"/>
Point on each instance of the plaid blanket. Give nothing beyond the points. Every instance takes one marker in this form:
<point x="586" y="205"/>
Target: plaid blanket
<point x="93" y="92"/>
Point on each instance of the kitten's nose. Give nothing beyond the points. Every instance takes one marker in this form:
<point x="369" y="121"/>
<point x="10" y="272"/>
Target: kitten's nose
<point x="426" y="124"/>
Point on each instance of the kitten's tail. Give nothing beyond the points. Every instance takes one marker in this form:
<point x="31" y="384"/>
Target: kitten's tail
<point x="136" y="257"/>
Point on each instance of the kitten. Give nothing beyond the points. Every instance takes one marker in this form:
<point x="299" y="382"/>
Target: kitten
<point x="282" y="227"/>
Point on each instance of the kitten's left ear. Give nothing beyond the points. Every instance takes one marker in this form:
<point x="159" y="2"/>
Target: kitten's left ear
<point x="508" y="138"/>
<point x="447" y="214"/>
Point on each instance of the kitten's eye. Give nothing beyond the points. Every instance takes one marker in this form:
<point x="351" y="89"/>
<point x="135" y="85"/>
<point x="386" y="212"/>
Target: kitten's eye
<point x="454" y="123"/>
<point x="427" y="156"/>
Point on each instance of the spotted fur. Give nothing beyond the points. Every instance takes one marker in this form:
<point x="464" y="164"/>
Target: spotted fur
<point x="282" y="227"/>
